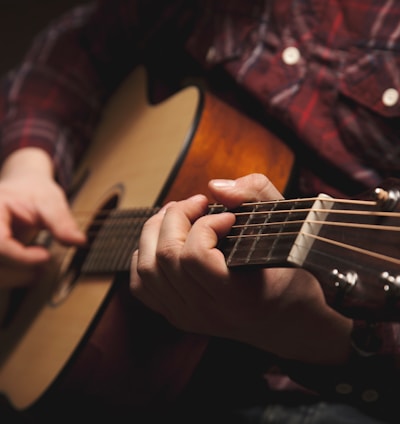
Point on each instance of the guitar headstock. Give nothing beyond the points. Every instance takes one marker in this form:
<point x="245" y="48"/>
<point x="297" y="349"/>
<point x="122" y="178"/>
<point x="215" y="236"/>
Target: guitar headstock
<point x="356" y="256"/>
<point x="351" y="246"/>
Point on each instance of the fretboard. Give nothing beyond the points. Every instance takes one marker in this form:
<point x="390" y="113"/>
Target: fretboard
<point x="116" y="240"/>
<point x="267" y="233"/>
<point x="264" y="234"/>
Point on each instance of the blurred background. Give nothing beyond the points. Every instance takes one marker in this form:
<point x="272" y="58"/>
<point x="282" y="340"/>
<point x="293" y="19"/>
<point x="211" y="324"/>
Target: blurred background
<point x="20" y="21"/>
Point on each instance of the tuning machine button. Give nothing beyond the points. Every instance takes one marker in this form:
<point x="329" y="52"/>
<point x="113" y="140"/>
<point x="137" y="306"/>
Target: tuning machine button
<point x="344" y="281"/>
<point x="391" y="284"/>
<point x="387" y="199"/>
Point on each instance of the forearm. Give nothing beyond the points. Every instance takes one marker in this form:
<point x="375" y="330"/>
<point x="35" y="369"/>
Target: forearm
<point x="328" y="339"/>
<point x="52" y="100"/>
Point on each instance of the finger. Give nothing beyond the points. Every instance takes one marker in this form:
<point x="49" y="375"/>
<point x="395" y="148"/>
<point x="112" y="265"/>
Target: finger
<point x="15" y="250"/>
<point x="148" y="283"/>
<point x="140" y="290"/>
<point x="12" y="251"/>
<point x="146" y="265"/>
<point x="159" y="259"/>
<point x="58" y="218"/>
<point x="200" y="255"/>
<point x="252" y="187"/>
<point x="175" y="227"/>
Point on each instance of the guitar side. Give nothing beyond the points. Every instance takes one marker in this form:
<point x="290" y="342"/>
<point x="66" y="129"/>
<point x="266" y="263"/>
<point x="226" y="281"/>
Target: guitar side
<point x="78" y="334"/>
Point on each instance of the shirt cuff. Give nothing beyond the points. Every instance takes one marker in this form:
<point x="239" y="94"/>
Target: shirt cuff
<point x="32" y="131"/>
<point x="370" y="379"/>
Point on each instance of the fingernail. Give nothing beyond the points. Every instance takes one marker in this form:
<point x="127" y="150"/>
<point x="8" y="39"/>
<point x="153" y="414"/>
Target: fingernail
<point x="165" y="207"/>
<point x="222" y="183"/>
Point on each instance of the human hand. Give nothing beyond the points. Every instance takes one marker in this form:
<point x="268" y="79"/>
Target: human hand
<point x="30" y="200"/>
<point x="179" y="272"/>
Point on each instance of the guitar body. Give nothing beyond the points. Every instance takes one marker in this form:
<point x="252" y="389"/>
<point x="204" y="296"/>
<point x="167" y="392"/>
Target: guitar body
<point x="82" y="339"/>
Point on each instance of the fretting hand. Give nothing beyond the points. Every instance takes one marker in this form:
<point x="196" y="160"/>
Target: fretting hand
<point x="179" y="273"/>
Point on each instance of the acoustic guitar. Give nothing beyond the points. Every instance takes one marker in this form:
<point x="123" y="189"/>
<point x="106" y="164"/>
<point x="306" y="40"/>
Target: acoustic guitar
<point x="77" y="333"/>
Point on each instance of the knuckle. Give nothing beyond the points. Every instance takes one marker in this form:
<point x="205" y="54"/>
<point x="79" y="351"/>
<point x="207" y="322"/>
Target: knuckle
<point x="259" y="181"/>
<point x="263" y="187"/>
<point x="189" y="258"/>
<point x="145" y="267"/>
<point x="167" y="252"/>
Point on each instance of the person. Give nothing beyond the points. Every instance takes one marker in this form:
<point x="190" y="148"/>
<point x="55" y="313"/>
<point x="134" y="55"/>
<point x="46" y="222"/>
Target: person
<point x="324" y="74"/>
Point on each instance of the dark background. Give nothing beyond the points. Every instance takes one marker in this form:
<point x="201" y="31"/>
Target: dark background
<point x="20" y="21"/>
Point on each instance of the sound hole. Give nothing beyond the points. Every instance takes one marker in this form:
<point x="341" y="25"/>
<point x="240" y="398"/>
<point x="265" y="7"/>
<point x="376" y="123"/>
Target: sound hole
<point x="76" y="257"/>
<point x="14" y="301"/>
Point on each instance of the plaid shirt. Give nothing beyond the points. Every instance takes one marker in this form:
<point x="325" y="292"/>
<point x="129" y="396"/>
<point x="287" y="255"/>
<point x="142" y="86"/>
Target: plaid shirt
<point x="329" y="71"/>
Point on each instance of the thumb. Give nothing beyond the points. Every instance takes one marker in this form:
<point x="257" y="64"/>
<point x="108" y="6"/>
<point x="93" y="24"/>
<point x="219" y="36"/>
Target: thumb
<point x="252" y="187"/>
<point x="61" y="223"/>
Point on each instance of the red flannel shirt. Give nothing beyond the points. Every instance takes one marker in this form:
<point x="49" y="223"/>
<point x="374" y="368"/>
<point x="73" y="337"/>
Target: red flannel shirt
<point x="328" y="71"/>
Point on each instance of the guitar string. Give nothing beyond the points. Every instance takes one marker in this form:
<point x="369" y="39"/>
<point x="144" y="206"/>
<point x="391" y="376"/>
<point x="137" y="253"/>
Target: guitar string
<point x="103" y="215"/>
<point x="326" y="223"/>
<point x="330" y="241"/>
<point x="356" y="225"/>
<point x="99" y="220"/>
<point x="372" y="254"/>
<point x="245" y="204"/>
<point x="105" y="212"/>
<point x="135" y="220"/>
<point x="369" y="253"/>
<point x="353" y="248"/>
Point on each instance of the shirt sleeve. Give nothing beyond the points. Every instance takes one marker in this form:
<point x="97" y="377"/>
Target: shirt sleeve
<point x="53" y="100"/>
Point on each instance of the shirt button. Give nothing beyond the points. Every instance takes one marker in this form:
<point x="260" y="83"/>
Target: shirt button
<point x="390" y="97"/>
<point x="291" y="55"/>
<point x="344" y="388"/>
<point x="370" y="396"/>
<point x="211" y="54"/>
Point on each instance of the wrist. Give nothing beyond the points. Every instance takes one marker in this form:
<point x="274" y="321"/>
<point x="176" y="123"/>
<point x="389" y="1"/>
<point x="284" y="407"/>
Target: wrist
<point x="328" y="341"/>
<point x="26" y="161"/>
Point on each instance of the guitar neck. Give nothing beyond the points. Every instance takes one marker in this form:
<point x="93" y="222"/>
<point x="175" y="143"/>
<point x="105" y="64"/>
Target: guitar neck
<point x="113" y="237"/>
<point x="350" y="246"/>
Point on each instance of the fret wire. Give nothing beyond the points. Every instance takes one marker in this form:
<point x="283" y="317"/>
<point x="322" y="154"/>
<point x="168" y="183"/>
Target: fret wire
<point x="282" y="230"/>
<point x="126" y="232"/>
<point x="257" y="238"/>
<point x="236" y="244"/>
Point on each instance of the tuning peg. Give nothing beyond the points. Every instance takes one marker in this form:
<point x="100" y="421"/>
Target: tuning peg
<point x="387" y="199"/>
<point x="391" y="283"/>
